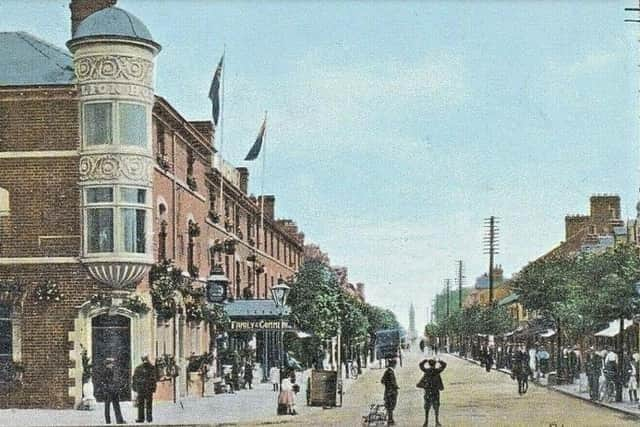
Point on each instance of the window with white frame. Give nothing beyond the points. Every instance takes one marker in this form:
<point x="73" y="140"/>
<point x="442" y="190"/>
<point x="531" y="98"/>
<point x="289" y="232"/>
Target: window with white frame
<point x="99" y="201"/>
<point x="6" y="333"/>
<point x="115" y="122"/>
<point x="98" y="123"/>
<point x="132" y="119"/>
<point x="116" y="219"/>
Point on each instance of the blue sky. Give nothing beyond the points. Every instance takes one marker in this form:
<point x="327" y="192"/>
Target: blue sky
<point x="396" y="127"/>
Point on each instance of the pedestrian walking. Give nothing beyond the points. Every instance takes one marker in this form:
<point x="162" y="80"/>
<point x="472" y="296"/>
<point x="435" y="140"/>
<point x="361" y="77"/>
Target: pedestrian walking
<point x="390" y="390"/>
<point x="144" y="384"/>
<point x="594" y="369"/>
<point x="431" y="382"/>
<point x="248" y="375"/>
<point x="488" y="359"/>
<point x="111" y="388"/>
<point x="274" y="377"/>
<point x="634" y="379"/>
<point x="286" y="397"/>
<point x="543" y="360"/>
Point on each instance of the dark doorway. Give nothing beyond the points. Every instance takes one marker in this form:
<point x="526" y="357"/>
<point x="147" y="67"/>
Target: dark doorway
<point x="111" y="337"/>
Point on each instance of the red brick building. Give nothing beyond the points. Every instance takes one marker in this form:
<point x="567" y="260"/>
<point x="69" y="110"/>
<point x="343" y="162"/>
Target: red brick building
<point x="100" y="179"/>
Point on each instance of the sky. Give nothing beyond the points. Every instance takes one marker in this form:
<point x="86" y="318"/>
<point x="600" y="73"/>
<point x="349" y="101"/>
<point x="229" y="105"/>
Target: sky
<point x="394" y="128"/>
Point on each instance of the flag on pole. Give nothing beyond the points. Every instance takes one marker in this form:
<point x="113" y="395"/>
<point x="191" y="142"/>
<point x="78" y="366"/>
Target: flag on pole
<point x="255" y="149"/>
<point x="214" y="92"/>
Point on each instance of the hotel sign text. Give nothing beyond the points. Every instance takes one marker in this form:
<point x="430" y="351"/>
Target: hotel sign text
<point x="260" y="325"/>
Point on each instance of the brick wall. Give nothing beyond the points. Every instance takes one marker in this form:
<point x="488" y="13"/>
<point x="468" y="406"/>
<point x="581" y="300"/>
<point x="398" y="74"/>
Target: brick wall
<point x="29" y="120"/>
<point x="45" y="331"/>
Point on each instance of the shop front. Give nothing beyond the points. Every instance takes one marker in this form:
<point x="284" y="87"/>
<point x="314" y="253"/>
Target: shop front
<point x="255" y="335"/>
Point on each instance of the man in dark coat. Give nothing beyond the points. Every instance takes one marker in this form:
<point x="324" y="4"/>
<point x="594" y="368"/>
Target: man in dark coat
<point x="594" y="369"/>
<point x="144" y="382"/>
<point x="248" y="375"/>
<point x="390" y="390"/>
<point x="111" y="388"/>
<point x="432" y="384"/>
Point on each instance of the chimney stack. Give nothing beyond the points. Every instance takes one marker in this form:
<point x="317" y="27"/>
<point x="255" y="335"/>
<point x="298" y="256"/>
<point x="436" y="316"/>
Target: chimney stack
<point x="80" y="9"/>
<point x="269" y="206"/>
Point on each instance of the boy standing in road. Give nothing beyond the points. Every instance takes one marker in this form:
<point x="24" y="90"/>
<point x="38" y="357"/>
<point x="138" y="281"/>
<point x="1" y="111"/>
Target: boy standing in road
<point x="390" y="390"/>
<point x="432" y="384"/>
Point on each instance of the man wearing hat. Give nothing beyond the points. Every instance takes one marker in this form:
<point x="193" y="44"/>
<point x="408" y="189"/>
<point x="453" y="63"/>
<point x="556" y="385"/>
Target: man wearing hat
<point x="111" y="390"/>
<point x="144" y="384"/>
<point x="390" y="390"/>
<point x="432" y="384"/>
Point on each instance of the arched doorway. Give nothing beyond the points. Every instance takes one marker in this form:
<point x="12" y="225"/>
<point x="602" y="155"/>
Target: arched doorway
<point x="111" y="337"/>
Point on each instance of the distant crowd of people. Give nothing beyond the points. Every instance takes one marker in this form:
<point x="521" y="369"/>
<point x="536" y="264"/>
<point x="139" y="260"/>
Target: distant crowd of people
<point x="596" y="371"/>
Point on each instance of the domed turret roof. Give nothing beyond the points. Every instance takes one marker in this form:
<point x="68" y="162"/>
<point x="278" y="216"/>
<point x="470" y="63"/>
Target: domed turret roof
<point x="113" y="22"/>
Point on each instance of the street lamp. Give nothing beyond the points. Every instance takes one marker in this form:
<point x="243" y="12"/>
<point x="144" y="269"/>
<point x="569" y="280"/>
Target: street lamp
<point x="217" y="284"/>
<point x="279" y="295"/>
<point x="215" y="293"/>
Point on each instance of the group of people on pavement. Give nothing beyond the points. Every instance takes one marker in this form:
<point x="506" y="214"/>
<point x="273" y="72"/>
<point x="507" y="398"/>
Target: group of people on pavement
<point x="602" y="369"/>
<point x="143" y="383"/>
<point x="431" y="383"/>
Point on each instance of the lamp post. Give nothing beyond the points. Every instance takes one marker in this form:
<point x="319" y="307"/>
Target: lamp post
<point x="279" y="295"/>
<point x="216" y="293"/>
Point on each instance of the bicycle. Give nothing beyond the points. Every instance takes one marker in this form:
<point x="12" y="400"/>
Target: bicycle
<point x="353" y="370"/>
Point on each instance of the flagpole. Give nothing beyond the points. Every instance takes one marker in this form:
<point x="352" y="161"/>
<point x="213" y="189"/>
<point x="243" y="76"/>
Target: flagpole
<point x="264" y="157"/>
<point x="221" y="165"/>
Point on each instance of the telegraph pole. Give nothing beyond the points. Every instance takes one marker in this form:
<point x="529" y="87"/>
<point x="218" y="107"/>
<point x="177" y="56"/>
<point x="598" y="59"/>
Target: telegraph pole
<point x="460" y="277"/>
<point x="448" y="283"/>
<point x="491" y="247"/>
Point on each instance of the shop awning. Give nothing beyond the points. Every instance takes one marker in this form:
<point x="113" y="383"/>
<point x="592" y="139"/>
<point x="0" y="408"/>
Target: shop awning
<point x="614" y="328"/>
<point x="255" y="308"/>
<point x="509" y="299"/>
<point x="301" y="334"/>
<point x="548" y="333"/>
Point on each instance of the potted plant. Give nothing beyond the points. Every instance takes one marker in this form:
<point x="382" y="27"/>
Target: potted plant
<point x="214" y="217"/>
<point x="191" y="183"/>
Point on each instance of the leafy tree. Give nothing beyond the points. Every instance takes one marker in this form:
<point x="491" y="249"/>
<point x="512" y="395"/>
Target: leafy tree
<point x="609" y="280"/>
<point x="315" y="307"/>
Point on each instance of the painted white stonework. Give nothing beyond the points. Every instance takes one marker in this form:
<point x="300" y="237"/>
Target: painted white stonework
<point x="117" y="70"/>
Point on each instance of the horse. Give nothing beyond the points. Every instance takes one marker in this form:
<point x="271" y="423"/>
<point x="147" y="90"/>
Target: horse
<point x="521" y="373"/>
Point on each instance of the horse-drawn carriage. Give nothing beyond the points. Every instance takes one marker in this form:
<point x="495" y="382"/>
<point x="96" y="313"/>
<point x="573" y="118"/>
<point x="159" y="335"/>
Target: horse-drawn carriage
<point x="389" y="343"/>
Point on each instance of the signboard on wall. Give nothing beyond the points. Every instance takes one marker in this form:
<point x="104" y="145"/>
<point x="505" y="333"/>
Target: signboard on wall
<point x="261" y="325"/>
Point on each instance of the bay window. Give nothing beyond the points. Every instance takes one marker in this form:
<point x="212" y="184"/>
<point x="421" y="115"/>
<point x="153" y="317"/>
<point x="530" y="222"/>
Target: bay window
<point x="98" y="123"/>
<point x="133" y="124"/>
<point x="111" y="122"/>
<point x="116" y="224"/>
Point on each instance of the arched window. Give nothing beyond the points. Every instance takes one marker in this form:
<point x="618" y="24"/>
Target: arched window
<point x="4" y="202"/>
<point x="162" y="241"/>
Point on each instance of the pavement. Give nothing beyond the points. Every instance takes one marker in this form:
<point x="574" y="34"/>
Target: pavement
<point x="574" y="390"/>
<point x="472" y="397"/>
<point x="243" y="407"/>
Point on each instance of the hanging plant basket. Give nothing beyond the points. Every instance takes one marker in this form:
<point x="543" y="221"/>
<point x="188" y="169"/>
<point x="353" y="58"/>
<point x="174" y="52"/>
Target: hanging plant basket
<point x="191" y="183"/>
<point x="214" y="217"/>
<point x="47" y="292"/>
